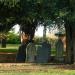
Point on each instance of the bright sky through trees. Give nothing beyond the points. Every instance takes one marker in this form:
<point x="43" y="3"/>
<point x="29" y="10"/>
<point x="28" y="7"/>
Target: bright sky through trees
<point x="38" y="32"/>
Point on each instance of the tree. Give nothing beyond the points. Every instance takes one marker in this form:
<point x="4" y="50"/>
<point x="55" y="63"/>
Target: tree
<point x="8" y="16"/>
<point x="68" y="9"/>
<point x="29" y="13"/>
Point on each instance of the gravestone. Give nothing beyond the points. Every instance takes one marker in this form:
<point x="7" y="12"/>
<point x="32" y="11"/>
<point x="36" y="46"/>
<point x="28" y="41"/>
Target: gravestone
<point x="30" y="52"/>
<point x="59" y="50"/>
<point x="43" y="53"/>
<point x="3" y="42"/>
<point x="21" y="54"/>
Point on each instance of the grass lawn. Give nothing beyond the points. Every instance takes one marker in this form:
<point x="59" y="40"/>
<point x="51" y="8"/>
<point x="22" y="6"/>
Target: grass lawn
<point x="49" y="72"/>
<point x="36" y="69"/>
<point x="14" y="48"/>
<point x="10" y="48"/>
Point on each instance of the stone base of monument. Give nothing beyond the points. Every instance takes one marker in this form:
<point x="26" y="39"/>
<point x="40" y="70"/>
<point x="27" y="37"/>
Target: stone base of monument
<point x="30" y="53"/>
<point x="43" y="53"/>
<point x="59" y="60"/>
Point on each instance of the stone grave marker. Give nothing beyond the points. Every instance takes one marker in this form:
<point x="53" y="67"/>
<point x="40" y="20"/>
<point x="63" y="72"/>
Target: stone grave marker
<point x="30" y="52"/>
<point x="43" y="52"/>
<point x="59" y="50"/>
<point x="21" y="54"/>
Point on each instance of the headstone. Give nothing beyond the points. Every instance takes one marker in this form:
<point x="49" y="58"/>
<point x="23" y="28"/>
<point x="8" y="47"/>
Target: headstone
<point x="30" y="52"/>
<point x="43" y="52"/>
<point x="59" y="50"/>
<point x="3" y="42"/>
<point x="21" y="54"/>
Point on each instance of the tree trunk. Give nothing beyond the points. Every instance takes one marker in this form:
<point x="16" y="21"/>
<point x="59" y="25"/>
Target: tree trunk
<point x="69" y="44"/>
<point x="32" y="34"/>
<point x="73" y="40"/>
<point x="44" y="33"/>
<point x="3" y="43"/>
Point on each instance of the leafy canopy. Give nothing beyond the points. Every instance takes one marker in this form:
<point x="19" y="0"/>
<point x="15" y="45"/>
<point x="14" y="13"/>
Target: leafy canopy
<point x="28" y="13"/>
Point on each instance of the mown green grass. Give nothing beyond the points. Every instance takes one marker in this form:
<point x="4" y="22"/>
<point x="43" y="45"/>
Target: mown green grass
<point x="13" y="45"/>
<point x="14" y="48"/>
<point x="50" y="72"/>
<point x="10" y="48"/>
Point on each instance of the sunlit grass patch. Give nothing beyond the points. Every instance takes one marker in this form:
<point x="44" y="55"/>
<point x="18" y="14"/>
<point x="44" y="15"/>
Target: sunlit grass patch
<point x="50" y="72"/>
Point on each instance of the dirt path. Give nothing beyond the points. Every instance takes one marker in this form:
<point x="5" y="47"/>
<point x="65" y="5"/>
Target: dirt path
<point x="28" y="67"/>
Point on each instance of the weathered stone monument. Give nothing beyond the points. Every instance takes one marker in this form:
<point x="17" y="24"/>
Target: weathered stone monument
<point x="43" y="52"/>
<point x="59" y="48"/>
<point x="30" y="52"/>
<point x="21" y="54"/>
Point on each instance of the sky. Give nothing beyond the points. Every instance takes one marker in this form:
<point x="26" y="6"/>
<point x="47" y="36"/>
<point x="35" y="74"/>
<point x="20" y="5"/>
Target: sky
<point x="16" y="28"/>
<point x="38" y="32"/>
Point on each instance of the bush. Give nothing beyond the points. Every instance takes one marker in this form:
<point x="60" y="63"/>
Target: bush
<point x="13" y="38"/>
<point x="38" y="39"/>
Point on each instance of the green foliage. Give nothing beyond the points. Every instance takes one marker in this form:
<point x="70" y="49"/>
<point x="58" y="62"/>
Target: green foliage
<point x="25" y="11"/>
<point x="38" y="39"/>
<point x="28" y="13"/>
<point x="13" y="38"/>
<point x="9" y="11"/>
